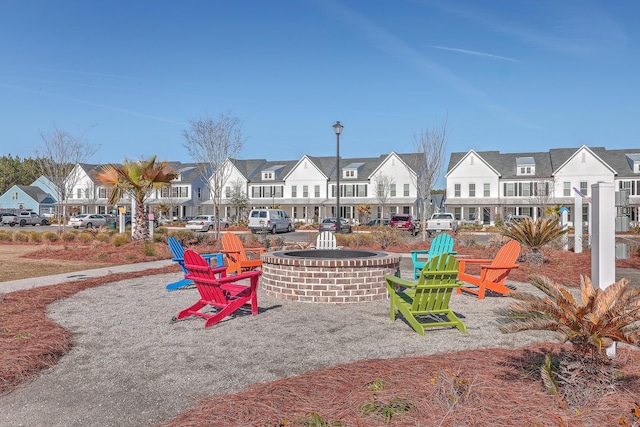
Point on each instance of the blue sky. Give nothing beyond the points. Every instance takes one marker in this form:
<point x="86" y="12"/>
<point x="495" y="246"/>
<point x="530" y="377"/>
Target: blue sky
<point x="513" y="76"/>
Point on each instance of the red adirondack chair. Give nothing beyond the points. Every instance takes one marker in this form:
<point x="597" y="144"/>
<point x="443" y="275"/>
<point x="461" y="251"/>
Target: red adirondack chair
<point x="222" y="292"/>
<point x="493" y="272"/>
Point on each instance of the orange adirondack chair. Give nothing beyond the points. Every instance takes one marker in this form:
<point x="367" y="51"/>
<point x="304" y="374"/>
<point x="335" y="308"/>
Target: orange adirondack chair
<point x="493" y="272"/>
<point x="236" y="255"/>
<point x="221" y="292"/>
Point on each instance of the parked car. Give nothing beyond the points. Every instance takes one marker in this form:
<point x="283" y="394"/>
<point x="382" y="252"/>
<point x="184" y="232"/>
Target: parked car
<point x="405" y="222"/>
<point x="205" y="223"/>
<point x="330" y="224"/>
<point x="514" y="218"/>
<point x="269" y="220"/>
<point x="87" y="221"/>
<point x="378" y="222"/>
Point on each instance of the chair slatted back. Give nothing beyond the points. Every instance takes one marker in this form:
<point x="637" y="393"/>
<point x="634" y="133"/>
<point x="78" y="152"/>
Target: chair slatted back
<point x="436" y="283"/>
<point x="507" y="256"/>
<point x="204" y="277"/>
<point x="326" y="240"/>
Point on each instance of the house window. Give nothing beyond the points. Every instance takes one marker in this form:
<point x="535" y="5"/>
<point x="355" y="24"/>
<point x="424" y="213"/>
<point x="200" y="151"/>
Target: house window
<point x="14" y="196"/>
<point x="294" y="191"/>
<point x="526" y="189"/>
<point x="200" y="193"/>
<point x="472" y="214"/>
<point x="305" y="191"/>
<point x="406" y="190"/>
<point x="316" y="191"/>
<point x="472" y="190"/>
<point x="268" y="176"/>
<point x="456" y="190"/>
<point x="487" y="190"/>
<point x="179" y="191"/>
<point x="566" y="189"/>
<point x="164" y="191"/>
<point x="349" y="173"/>
<point x="393" y="190"/>
<point x="510" y="189"/>
<point x="102" y="193"/>
<point x="457" y="213"/>
<point x="78" y="193"/>
<point x="227" y="192"/>
<point x="584" y="186"/>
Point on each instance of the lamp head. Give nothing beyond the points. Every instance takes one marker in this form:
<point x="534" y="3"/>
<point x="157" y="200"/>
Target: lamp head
<point x="337" y="128"/>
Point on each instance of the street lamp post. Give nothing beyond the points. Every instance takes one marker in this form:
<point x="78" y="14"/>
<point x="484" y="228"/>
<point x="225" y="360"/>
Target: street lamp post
<point x="337" y="128"/>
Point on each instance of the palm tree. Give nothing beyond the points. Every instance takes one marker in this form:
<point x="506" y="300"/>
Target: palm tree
<point x="534" y="234"/>
<point x="138" y="179"/>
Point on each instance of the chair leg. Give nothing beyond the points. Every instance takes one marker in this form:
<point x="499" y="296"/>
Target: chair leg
<point x="191" y="310"/>
<point x="226" y="311"/>
<point x="179" y="284"/>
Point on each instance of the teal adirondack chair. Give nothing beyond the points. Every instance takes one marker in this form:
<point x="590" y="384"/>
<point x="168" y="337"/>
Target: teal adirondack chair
<point x="442" y="244"/>
<point x="425" y="303"/>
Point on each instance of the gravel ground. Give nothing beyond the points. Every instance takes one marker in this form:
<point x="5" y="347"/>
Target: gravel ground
<point x="132" y="366"/>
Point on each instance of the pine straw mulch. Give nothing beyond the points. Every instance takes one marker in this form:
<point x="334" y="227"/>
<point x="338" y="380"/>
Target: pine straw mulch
<point x="475" y="388"/>
<point x="488" y="387"/>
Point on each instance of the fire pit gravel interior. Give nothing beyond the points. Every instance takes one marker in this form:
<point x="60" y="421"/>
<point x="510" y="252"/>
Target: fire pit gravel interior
<point x="327" y="276"/>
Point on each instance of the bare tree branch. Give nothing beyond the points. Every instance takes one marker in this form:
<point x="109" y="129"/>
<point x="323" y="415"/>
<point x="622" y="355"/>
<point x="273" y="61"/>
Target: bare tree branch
<point x="57" y="158"/>
<point x="430" y="145"/>
<point x="210" y="142"/>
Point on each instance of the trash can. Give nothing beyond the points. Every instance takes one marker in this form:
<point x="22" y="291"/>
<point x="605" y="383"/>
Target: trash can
<point x="112" y="225"/>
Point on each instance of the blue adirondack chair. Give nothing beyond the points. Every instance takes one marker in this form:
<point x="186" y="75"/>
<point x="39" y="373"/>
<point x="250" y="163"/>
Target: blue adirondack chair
<point x="442" y="244"/>
<point x="178" y="256"/>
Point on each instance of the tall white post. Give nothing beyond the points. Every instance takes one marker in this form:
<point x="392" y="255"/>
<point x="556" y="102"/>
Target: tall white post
<point x="133" y="216"/>
<point x="603" y="239"/>
<point x="603" y="245"/>
<point x="564" y="224"/>
<point x="577" y="224"/>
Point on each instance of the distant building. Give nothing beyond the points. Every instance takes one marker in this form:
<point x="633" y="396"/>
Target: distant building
<point x="27" y="198"/>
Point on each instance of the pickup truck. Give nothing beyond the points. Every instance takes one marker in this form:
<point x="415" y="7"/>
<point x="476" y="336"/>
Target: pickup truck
<point x="442" y="221"/>
<point x="24" y="218"/>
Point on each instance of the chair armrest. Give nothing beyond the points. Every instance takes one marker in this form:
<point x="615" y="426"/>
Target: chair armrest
<point x="258" y="250"/>
<point x="500" y="267"/>
<point x="420" y="251"/>
<point x="398" y="281"/>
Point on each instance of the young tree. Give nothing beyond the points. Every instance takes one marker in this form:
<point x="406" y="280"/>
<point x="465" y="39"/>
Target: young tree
<point x="210" y="142"/>
<point x="138" y="179"/>
<point x="382" y="183"/>
<point x="238" y="199"/>
<point x="430" y="146"/>
<point x="57" y="158"/>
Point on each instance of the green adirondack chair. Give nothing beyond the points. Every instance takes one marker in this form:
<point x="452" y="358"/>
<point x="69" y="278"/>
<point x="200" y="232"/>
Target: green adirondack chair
<point x="442" y="244"/>
<point x="425" y="303"/>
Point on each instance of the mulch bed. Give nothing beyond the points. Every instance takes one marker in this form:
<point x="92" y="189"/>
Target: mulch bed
<point x="471" y="388"/>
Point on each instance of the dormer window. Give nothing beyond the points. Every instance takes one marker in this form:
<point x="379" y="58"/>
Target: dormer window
<point x="351" y="170"/>
<point x="270" y="173"/>
<point x="634" y="162"/>
<point x="525" y="166"/>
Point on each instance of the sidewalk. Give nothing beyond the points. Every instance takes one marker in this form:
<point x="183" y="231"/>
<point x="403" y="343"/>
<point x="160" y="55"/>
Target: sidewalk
<point x="33" y="282"/>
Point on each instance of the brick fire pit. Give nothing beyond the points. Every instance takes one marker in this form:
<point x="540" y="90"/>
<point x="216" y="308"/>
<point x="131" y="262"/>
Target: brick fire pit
<point x="327" y="276"/>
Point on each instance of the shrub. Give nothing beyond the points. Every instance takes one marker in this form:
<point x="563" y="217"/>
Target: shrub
<point x="20" y="236"/>
<point x="6" y="236"/>
<point x="103" y="237"/>
<point x="535" y="234"/>
<point x="120" y="239"/>
<point x="85" y="237"/>
<point x="149" y="249"/>
<point x="50" y="236"/>
<point x="68" y="236"/>
<point x="602" y="317"/>
<point x="387" y="236"/>
<point x="183" y="236"/>
<point x="34" y="236"/>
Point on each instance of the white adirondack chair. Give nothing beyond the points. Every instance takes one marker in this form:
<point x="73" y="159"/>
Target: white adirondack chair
<point x="326" y="240"/>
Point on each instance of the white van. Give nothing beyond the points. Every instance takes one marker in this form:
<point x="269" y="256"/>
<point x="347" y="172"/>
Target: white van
<point x="269" y="220"/>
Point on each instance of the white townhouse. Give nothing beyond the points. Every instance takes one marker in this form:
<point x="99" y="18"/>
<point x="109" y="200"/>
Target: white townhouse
<point x="482" y="185"/>
<point x="307" y="188"/>
<point x="185" y="196"/>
